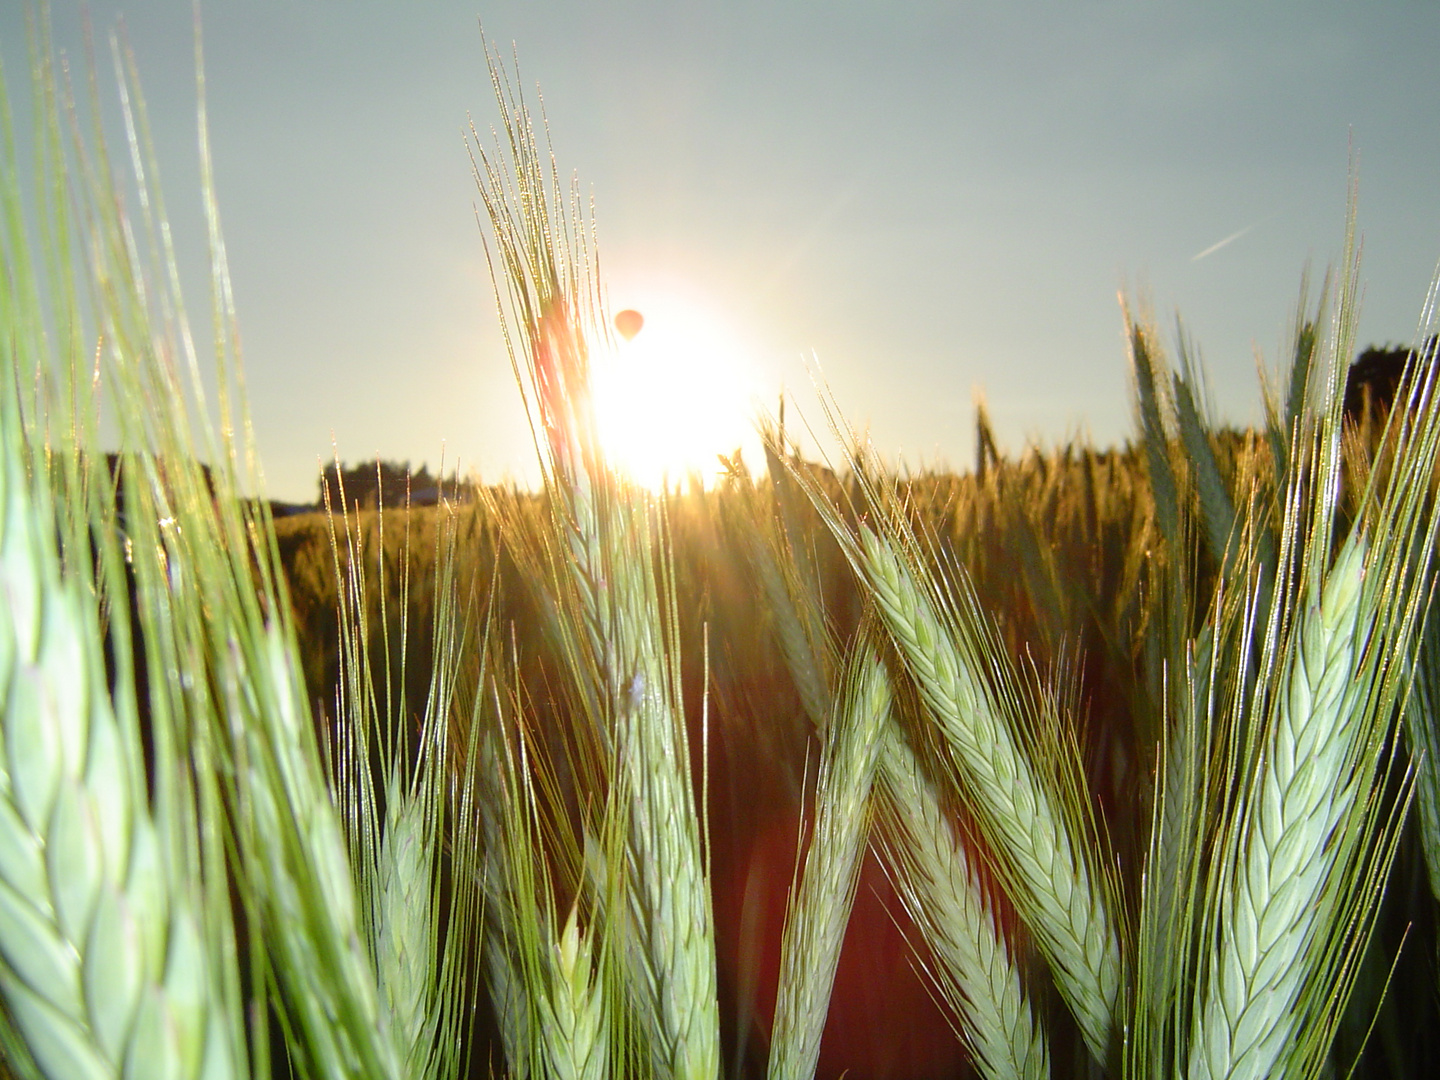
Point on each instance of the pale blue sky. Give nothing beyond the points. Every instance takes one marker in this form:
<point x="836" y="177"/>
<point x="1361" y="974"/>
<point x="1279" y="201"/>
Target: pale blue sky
<point x="928" y="197"/>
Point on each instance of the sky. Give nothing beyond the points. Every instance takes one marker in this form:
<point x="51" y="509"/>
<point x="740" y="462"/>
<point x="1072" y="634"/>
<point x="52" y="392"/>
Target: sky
<point x="911" y="202"/>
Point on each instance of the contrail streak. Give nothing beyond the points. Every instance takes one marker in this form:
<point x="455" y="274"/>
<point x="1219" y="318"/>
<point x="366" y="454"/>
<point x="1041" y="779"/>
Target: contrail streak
<point x="1228" y="240"/>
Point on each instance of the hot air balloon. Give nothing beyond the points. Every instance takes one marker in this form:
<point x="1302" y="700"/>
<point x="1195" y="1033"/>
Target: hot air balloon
<point x="628" y="323"/>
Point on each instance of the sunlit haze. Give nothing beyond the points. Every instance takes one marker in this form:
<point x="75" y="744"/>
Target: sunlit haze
<point x="677" y="394"/>
<point x="922" y="199"/>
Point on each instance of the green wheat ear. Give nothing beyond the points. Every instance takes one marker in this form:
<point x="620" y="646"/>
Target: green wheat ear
<point x="105" y="970"/>
<point x="820" y="909"/>
<point x="1017" y="772"/>
<point x="116" y="932"/>
<point x="974" y="967"/>
<point x="403" y="814"/>
<point x="113" y="921"/>
<point x="1281" y="800"/>
<point x="977" y="970"/>
<point x="611" y="577"/>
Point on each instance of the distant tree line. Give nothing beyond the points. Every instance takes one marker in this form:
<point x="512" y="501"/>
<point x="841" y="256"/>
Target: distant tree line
<point x="391" y="484"/>
<point x="1370" y="387"/>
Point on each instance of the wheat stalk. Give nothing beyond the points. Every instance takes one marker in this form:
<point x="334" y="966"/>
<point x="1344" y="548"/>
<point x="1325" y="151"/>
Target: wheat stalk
<point x="820" y="909"/>
<point x="1046" y="868"/>
<point x="224" y="698"/>
<point x="1309" y="832"/>
<point x="573" y="1015"/>
<point x="116" y="956"/>
<point x="979" y="975"/>
<point x="1308" y="838"/>
<point x="294" y="847"/>
<point x="1275" y="901"/>
<point x="106" y="970"/>
<point x="419" y="932"/>
<point x="945" y="898"/>
<point x="610" y="533"/>
<point x="403" y="893"/>
<point x="1015" y="766"/>
<point x="607" y="538"/>
<point x="1422" y="726"/>
<point x="551" y="987"/>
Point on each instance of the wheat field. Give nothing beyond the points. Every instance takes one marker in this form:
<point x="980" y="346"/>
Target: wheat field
<point x="1082" y="763"/>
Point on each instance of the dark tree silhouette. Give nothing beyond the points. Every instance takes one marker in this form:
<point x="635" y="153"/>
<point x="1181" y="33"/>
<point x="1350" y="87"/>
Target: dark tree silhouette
<point x="389" y="483"/>
<point x="1374" y="378"/>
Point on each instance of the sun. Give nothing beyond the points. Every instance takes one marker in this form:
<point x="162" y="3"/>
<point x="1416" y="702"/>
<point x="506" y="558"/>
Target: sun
<point x="674" y="395"/>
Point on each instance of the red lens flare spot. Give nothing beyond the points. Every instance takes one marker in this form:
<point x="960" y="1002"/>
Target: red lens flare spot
<point x="628" y="323"/>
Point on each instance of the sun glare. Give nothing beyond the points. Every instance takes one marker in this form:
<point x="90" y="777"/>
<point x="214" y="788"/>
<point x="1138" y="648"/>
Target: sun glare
<point x="674" y="395"/>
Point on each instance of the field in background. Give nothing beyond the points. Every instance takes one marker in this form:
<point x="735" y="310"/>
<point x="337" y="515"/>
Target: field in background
<point x="1064" y="552"/>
